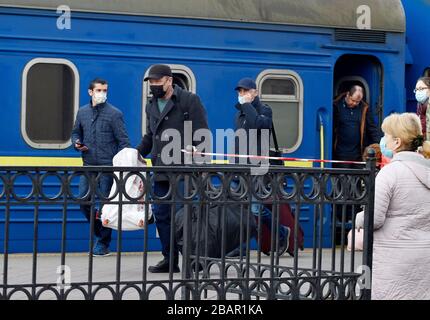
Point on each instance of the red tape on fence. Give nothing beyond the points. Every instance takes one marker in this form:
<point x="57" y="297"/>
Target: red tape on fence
<point x="232" y="155"/>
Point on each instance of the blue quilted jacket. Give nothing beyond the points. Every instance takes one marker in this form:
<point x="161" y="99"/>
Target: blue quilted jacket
<point x="102" y="130"/>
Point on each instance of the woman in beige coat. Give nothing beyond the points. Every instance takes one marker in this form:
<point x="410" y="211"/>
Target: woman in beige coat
<point x="401" y="249"/>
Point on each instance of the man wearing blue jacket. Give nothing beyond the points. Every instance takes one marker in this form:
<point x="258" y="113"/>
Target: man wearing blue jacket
<point x="252" y="114"/>
<point x="99" y="134"/>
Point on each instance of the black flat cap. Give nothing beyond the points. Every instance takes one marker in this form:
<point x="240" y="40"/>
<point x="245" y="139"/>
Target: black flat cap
<point x="246" y="83"/>
<point x="157" y="71"/>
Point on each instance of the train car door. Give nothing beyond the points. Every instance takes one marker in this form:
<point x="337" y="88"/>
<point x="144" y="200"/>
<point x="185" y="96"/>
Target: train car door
<point x="365" y="71"/>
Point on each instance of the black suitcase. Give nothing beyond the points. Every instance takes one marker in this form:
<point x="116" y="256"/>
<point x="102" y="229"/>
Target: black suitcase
<point x="208" y="231"/>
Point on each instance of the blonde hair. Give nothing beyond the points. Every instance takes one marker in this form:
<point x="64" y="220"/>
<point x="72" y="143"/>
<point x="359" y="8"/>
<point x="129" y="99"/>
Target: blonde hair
<point x="425" y="151"/>
<point x="407" y="127"/>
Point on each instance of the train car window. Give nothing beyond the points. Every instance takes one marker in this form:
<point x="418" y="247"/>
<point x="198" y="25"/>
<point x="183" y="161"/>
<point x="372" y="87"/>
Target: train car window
<point x="279" y="87"/>
<point x="181" y="80"/>
<point x="49" y="102"/>
<point x="182" y="77"/>
<point x="282" y="90"/>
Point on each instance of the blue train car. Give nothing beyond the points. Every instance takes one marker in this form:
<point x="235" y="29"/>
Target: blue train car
<point x="301" y="53"/>
<point x="417" y="45"/>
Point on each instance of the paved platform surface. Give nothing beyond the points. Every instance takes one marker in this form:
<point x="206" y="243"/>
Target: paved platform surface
<point x="20" y="268"/>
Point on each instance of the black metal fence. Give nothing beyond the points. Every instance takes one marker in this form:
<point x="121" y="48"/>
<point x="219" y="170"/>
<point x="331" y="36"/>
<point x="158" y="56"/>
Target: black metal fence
<point x="317" y="272"/>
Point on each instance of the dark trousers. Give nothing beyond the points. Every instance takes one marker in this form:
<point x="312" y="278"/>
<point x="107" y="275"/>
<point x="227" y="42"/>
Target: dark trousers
<point x="104" y="185"/>
<point x="162" y="213"/>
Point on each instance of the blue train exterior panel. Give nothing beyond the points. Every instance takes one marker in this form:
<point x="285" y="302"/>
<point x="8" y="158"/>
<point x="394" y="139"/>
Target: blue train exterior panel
<point x="121" y="49"/>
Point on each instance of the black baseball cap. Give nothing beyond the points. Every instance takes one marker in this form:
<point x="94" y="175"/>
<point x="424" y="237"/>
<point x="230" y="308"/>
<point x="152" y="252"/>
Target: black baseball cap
<point x="157" y="71"/>
<point x="246" y="83"/>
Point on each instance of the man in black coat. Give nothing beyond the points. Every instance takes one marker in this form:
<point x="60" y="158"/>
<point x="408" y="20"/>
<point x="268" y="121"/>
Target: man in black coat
<point x="353" y="127"/>
<point x="171" y="107"/>
<point x="353" y="130"/>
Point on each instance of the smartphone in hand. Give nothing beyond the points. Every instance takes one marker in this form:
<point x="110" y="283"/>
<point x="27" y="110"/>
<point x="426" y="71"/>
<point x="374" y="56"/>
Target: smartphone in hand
<point x="80" y="146"/>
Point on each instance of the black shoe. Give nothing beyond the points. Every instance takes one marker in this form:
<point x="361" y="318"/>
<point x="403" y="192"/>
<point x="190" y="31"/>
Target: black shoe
<point x="151" y="220"/>
<point x="163" y="266"/>
<point x="193" y="266"/>
<point x="235" y="253"/>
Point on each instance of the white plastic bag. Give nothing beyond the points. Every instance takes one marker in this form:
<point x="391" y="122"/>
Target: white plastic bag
<point x="359" y="237"/>
<point x="359" y="232"/>
<point x="133" y="215"/>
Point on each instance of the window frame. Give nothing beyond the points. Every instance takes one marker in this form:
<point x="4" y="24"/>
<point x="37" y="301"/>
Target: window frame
<point x="176" y="68"/>
<point x="297" y="98"/>
<point x="27" y="68"/>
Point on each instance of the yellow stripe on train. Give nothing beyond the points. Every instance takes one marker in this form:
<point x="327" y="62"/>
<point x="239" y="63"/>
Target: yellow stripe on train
<point x="77" y="162"/>
<point x="302" y="164"/>
<point x="41" y="161"/>
<point x="46" y="161"/>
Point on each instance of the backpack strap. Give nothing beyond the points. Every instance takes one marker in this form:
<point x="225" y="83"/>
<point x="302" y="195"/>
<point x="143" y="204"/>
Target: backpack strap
<point x="183" y="106"/>
<point x="275" y="140"/>
<point x="273" y="132"/>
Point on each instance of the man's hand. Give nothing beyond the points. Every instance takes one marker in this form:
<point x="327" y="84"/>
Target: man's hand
<point x="80" y="146"/>
<point x="249" y="96"/>
<point x="140" y="158"/>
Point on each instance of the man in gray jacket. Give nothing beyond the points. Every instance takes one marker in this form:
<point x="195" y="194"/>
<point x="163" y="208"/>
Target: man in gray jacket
<point x="99" y="134"/>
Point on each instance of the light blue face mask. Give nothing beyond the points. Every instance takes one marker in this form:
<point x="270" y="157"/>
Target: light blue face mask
<point x="241" y="99"/>
<point x="421" y="96"/>
<point x="384" y="150"/>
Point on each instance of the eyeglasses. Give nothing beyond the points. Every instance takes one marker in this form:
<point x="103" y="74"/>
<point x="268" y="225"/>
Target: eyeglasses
<point x="420" y="89"/>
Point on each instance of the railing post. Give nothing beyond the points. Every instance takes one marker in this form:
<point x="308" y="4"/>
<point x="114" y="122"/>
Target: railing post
<point x="8" y="186"/>
<point x="187" y="244"/>
<point x="368" y="223"/>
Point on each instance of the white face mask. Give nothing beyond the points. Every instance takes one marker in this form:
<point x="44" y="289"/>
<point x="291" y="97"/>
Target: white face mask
<point x="421" y="96"/>
<point x="99" y="97"/>
<point x="241" y="99"/>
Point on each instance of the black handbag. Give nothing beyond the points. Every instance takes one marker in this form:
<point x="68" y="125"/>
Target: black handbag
<point x="276" y="152"/>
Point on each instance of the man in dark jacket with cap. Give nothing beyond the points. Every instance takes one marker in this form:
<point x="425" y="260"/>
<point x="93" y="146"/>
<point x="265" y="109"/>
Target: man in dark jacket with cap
<point x="254" y="115"/>
<point x="169" y="108"/>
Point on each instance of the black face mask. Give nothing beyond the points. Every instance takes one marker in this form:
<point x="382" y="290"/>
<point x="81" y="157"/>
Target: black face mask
<point x="157" y="91"/>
